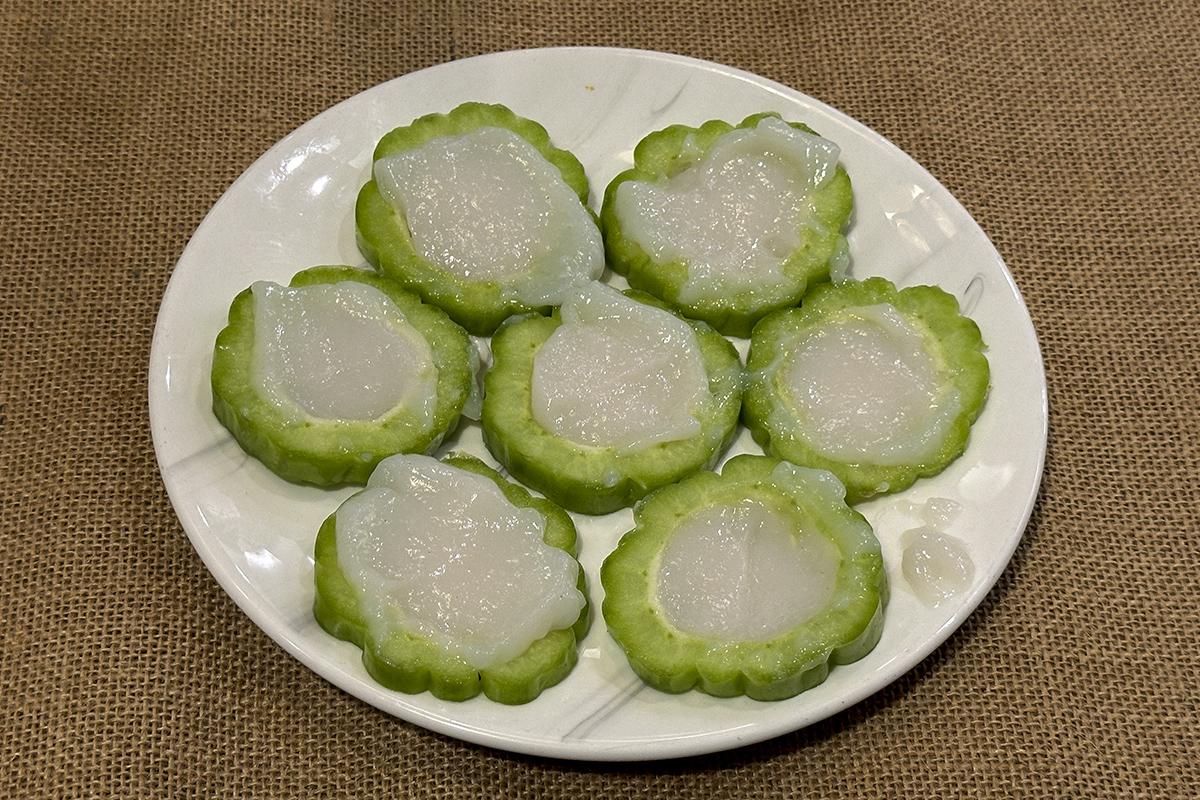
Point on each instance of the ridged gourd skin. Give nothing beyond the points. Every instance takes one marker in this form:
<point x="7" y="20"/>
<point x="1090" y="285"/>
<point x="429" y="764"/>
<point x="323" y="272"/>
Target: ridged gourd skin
<point x="663" y="154"/>
<point x="383" y="235"/>
<point x="597" y="480"/>
<point x="336" y="452"/>
<point x="954" y="342"/>
<point x="412" y="664"/>
<point x="782" y="666"/>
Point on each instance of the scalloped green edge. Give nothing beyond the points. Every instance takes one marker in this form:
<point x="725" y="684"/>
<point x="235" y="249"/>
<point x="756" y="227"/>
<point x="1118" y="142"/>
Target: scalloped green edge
<point x="953" y="340"/>
<point x="675" y="661"/>
<point x="383" y="236"/>
<point x="663" y="154"/>
<point x="336" y="452"/>
<point x="412" y="664"/>
<point x="596" y="480"/>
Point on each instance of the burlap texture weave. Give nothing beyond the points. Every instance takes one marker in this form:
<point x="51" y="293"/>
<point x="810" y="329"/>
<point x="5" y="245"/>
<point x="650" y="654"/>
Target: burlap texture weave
<point x="1067" y="129"/>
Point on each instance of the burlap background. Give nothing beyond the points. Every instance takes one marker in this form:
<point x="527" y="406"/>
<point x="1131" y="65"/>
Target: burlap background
<point x="1068" y="130"/>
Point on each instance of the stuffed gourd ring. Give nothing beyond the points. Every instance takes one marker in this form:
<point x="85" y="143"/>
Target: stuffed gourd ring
<point x="478" y="213"/>
<point x="452" y="580"/>
<point x="608" y="399"/>
<point x="877" y="385"/>
<point x="729" y="223"/>
<point x="322" y="379"/>
<point x="749" y="582"/>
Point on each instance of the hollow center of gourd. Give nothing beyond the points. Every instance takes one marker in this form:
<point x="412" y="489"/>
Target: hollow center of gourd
<point x="736" y="215"/>
<point x="487" y="206"/>
<point x="866" y="389"/>
<point x="618" y="373"/>
<point x="339" y="351"/>
<point x="440" y="552"/>
<point x="744" y="572"/>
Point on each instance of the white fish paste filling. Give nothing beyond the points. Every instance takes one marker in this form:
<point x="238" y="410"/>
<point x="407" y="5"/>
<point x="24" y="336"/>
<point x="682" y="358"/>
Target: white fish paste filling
<point x="866" y="389"/>
<point x="619" y="373"/>
<point x="439" y="552"/>
<point x="339" y="351"/>
<point x="744" y="573"/>
<point x="487" y="206"/>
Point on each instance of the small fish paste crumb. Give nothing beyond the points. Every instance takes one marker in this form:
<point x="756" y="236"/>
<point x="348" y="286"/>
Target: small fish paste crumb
<point x="935" y="512"/>
<point x="936" y="566"/>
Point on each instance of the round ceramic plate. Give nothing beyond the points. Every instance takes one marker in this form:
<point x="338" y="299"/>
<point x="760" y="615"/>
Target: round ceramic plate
<point x="293" y="208"/>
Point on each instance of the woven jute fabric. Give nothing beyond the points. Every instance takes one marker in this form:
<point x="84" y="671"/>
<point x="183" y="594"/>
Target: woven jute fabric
<point x="1067" y="129"/>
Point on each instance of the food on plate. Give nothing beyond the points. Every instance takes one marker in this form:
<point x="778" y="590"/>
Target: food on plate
<point x="452" y="580"/>
<point x="935" y="565"/>
<point x="478" y="213"/>
<point x="322" y="379"/>
<point x="877" y="385"/>
<point x="608" y="399"/>
<point x="754" y="581"/>
<point x="729" y="223"/>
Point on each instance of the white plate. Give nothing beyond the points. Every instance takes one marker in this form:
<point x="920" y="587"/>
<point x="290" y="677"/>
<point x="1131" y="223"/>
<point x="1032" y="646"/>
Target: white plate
<point x="293" y="208"/>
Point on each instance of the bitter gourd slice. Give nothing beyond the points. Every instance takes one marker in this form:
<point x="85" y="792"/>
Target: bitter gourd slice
<point x="608" y="399"/>
<point x="316" y="405"/>
<point x="438" y="572"/>
<point x="877" y="385"/>
<point x="729" y="223"/>
<point x="478" y="213"/>
<point x="753" y="582"/>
